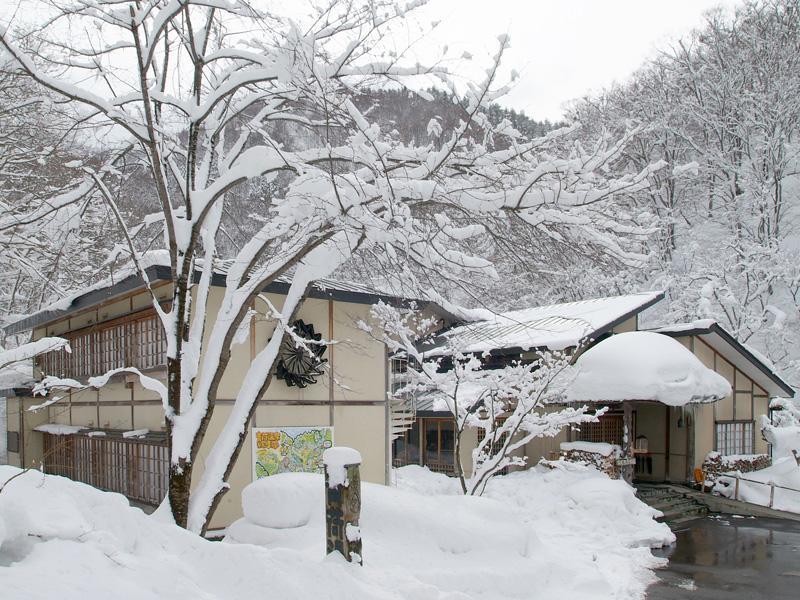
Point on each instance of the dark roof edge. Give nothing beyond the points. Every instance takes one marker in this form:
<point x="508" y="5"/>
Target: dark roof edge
<point x="162" y="273"/>
<point x="17" y="392"/>
<point x="739" y="347"/>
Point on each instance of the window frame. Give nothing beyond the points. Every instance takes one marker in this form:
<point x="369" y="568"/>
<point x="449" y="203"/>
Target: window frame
<point x="747" y="442"/>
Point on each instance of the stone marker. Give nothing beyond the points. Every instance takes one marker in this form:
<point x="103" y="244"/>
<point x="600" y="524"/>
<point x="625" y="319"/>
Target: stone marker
<point x="343" y="502"/>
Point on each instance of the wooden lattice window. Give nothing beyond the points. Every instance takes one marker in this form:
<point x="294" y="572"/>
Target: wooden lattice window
<point x="135" y="341"/>
<point x="137" y="468"/>
<point x="497" y="445"/>
<point x="609" y="429"/>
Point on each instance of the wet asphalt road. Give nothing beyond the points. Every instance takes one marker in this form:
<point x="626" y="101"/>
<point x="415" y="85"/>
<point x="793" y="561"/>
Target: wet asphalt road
<point x="730" y="558"/>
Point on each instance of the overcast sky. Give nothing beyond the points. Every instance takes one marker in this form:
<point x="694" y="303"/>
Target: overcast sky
<point x="564" y="49"/>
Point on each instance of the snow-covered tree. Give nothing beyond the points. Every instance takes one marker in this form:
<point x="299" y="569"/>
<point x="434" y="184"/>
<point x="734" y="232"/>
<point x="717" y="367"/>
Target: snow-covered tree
<point x="720" y="107"/>
<point x="506" y="405"/>
<point x="37" y="143"/>
<point x="193" y="92"/>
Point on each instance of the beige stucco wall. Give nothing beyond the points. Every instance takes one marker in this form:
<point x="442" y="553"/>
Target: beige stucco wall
<point x="353" y="400"/>
<point x="540" y="448"/>
<point x="747" y="402"/>
<point x="631" y="324"/>
<point x="20" y="419"/>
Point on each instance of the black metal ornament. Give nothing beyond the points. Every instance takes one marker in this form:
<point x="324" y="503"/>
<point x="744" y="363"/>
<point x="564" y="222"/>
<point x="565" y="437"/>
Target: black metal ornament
<point x="297" y="365"/>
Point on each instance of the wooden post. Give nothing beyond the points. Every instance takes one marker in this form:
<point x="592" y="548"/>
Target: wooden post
<point x="771" y="493"/>
<point x="667" y="444"/>
<point x="627" y="442"/>
<point x="343" y="502"/>
<point x="736" y="488"/>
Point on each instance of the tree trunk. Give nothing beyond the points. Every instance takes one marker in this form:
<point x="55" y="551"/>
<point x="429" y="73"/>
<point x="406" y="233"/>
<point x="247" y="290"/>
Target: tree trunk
<point x="180" y="483"/>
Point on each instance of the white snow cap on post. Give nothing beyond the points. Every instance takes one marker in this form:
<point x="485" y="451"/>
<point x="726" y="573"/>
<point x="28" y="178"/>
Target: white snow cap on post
<point x="336" y="461"/>
<point x="642" y="365"/>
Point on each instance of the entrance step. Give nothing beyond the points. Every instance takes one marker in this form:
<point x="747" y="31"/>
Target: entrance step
<point x="678" y="504"/>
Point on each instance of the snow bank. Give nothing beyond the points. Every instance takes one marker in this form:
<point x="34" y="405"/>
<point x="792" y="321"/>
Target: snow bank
<point x="282" y="502"/>
<point x="569" y="533"/>
<point x="583" y="519"/>
<point x="642" y="365"/>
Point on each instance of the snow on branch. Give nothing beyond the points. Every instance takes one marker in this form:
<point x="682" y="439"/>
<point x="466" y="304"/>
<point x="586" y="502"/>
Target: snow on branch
<point x="32" y="349"/>
<point x="507" y="405"/>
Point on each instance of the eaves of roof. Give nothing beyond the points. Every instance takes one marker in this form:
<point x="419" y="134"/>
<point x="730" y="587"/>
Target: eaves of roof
<point x="716" y="329"/>
<point x="592" y="336"/>
<point x="156" y="273"/>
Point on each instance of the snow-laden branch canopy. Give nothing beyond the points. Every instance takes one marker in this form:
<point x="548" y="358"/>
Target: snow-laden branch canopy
<point x="200" y="95"/>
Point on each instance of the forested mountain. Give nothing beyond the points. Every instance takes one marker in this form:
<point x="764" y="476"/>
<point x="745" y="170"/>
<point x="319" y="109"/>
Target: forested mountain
<point x="720" y="108"/>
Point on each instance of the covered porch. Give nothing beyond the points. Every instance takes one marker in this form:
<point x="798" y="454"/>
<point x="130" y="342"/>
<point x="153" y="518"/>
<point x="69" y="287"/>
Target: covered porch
<point x="651" y="386"/>
<point x="661" y="439"/>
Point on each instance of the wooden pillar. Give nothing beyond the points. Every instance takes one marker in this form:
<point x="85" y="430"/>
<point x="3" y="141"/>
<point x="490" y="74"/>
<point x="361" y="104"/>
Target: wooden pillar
<point x="688" y="423"/>
<point x="667" y="442"/>
<point x="343" y="502"/>
<point x="628" y="461"/>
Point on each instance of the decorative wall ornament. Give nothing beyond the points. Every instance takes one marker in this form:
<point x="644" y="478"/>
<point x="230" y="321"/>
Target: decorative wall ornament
<point x="297" y="365"/>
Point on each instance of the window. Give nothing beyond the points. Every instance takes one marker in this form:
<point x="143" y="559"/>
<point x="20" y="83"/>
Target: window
<point x="405" y="448"/>
<point x="608" y="429"/>
<point x="135" y="341"/>
<point x="399" y="370"/>
<point x="734" y="437"/>
<point x="497" y="445"/>
<point x="12" y="441"/>
<point x="440" y="445"/>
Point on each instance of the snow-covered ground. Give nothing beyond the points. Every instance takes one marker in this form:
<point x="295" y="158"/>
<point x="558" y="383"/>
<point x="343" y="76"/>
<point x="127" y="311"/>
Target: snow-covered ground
<point x="570" y="533"/>
<point x="755" y="486"/>
<point x="3" y="428"/>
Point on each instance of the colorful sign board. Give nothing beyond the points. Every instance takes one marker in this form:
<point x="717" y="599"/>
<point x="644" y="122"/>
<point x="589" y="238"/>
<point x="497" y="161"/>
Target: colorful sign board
<point x="289" y="449"/>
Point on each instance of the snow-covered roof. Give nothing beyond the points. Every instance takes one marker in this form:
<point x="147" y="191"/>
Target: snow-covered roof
<point x="156" y="263"/>
<point x="556" y="327"/>
<point x="642" y="365"/>
<point x="745" y="358"/>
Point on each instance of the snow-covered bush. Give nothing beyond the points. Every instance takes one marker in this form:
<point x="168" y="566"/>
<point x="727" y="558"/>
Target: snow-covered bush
<point x="783" y="433"/>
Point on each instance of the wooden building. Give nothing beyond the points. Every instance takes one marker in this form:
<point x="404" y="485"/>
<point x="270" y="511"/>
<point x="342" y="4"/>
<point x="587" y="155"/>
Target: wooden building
<point x="672" y="441"/>
<point x="114" y="437"/>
